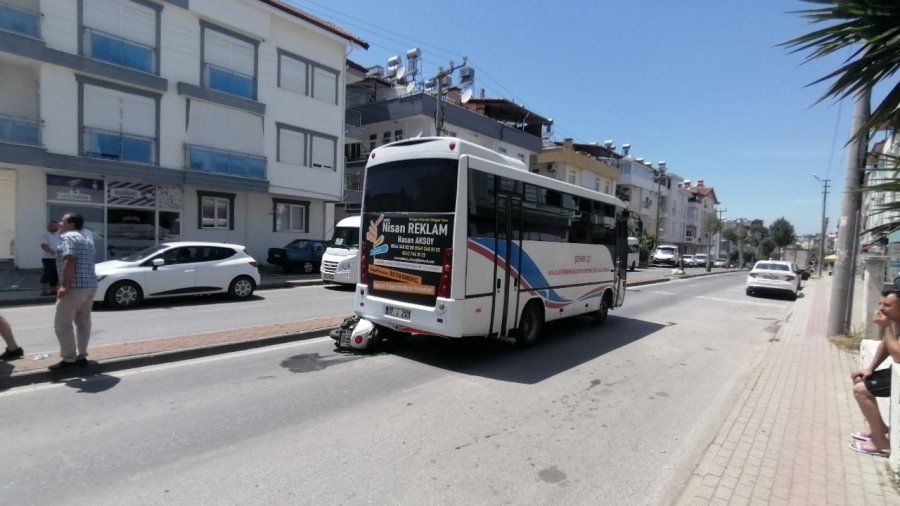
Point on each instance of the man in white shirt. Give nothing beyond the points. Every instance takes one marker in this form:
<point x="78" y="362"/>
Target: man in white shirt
<point x="49" y="242"/>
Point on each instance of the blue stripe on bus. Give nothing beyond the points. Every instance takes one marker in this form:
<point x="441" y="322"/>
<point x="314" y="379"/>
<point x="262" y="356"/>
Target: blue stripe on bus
<point x="530" y="274"/>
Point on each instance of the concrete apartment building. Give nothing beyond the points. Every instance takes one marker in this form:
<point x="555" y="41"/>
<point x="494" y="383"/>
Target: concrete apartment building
<point x="157" y="120"/>
<point x="381" y="110"/>
<point x="575" y="164"/>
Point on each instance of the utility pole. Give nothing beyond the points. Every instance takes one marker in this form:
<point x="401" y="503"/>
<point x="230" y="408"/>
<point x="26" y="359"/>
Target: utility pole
<point x="839" y="311"/>
<point x="719" y="234"/>
<point x="825" y="183"/>
<point x="439" y="78"/>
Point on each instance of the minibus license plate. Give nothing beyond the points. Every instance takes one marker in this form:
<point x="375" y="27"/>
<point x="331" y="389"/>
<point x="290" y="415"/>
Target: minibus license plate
<point x="397" y="312"/>
<point x="328" y="277"/>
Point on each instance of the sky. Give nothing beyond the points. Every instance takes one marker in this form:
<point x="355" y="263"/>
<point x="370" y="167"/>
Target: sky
<point x="701" y="84"/>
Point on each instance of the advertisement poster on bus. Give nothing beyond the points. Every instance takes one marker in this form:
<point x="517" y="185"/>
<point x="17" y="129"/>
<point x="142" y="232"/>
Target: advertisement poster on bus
<point x="406" y="254"/>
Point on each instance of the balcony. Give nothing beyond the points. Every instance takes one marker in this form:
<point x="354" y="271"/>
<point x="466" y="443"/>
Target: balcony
<point x="118" y="146"/>
<point x="21" y="21"/>
<point x="353" y="129"/>
<point x="229" y="163"/>
<point x="118" y="51"/>
<point x="20" y="131"/>
<point x="228" y="81"/>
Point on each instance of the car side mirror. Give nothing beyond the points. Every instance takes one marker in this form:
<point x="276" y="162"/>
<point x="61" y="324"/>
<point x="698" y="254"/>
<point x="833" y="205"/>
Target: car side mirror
<point x="157" y="262"/>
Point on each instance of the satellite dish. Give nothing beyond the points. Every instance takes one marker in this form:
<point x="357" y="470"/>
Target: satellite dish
<point x="410" y="86"/>
<point x="400" y="73"/>
<point x="466" y="94"/>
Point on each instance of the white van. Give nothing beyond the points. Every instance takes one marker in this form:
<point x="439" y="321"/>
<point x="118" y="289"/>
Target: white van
<point x="340" y="263"/>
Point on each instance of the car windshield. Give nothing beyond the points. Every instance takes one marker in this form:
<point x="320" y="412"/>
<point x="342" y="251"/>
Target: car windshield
<point x="144" y="253"/>
<point x="297" y="244"/>
<point x="772" y="267"/>
<point x="345" y="237"/>
<point x="666" y="251"/>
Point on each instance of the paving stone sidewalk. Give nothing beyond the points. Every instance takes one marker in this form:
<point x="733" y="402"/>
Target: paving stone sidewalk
<point x="786" y="439"/>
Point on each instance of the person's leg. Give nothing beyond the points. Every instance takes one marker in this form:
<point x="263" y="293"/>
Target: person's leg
<point x="83" y="321"/>
<point x="52" y="274"/>
<point x="45" y="277"/>
<point x="869" y="408"/>
<point x="65" y="334"/>
<point x="7" y="333"/>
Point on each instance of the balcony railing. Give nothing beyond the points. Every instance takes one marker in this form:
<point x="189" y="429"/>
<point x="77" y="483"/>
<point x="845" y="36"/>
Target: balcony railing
<point x="220" y="161"/>
<point x="119" y="51"/>
<point x="111" y="145"/>
<point x="20" y="21"/>
<point x="20" y="130"/>
<point x="353" y="118"/>
<point x="229" y="81"/>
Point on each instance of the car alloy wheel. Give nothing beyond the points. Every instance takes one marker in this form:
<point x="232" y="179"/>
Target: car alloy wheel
<point x="124" y="294"/>
<point x="241" y="288"/>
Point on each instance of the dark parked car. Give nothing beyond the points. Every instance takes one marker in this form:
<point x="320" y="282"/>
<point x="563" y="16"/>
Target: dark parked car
<point x="302" y="254"/>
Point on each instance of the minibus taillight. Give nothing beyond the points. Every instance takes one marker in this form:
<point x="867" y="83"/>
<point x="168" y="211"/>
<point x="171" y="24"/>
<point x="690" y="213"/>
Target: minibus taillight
<point x="446" y="274"/>
<point x="364" y="263"/>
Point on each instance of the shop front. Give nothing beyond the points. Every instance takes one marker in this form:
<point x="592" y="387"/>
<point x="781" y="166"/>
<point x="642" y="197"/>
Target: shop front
<point x="122" y="216"/>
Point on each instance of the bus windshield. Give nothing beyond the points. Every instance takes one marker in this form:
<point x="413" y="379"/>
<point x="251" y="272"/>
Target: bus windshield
<point x="424" y="185"/>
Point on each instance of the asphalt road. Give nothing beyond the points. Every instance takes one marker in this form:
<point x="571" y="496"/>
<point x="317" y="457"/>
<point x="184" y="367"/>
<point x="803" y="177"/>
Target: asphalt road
<point x="618" y="414"/>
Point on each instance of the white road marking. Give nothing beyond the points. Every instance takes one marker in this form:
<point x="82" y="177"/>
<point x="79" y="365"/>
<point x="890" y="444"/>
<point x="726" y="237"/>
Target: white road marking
<point x="750" y="302"/>
<point x="170" y="365"/>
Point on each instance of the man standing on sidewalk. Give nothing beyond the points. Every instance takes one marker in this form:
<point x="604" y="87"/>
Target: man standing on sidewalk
<point x="869" y="383"/>
<point x="75" y="295"/>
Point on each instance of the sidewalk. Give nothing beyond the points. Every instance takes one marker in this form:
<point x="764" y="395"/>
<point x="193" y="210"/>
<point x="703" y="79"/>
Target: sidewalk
<point x="786" y="439"/>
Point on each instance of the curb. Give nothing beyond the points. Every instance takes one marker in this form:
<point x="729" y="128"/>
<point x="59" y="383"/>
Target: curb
<point x="34" y="376"/>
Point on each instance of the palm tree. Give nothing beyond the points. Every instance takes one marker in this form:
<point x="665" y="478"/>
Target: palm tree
<point x="872" y="29"/>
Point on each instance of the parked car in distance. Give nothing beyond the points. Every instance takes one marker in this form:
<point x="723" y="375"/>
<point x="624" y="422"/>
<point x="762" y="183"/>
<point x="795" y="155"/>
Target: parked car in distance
<point x="302" y="254"/>
<point x="720" y="262"/>
<point x="700" y="260"/>
<point x="687" y="260"/>
<point x="177" y="269"/>
<point x="774" y="276"/>
<point x="665" y="254"/>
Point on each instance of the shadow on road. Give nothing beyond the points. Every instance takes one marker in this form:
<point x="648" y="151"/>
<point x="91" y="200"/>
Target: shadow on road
<point x="565" y="344"/>
<point x="177" y="302"/>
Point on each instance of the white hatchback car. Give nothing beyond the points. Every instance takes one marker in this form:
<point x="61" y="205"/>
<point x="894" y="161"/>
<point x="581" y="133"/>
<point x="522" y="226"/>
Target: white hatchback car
<point x="774" y="276"/>
<point x="177" y="269"/>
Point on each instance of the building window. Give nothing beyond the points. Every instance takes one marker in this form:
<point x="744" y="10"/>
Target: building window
<point x="373" y="141"/>
<point x="353" y="151"/>
<point x="291" y="146"/>
<point x="398" y="135"/>
<point x="229" y="62"/>
<point x="291" y="216"/>
<point x="570" y="176"/>
<point x="121" y="32"/>
<point x="216" y="210"/>
<point x="353" y="182"/>
<point x="323" y="152"/>
<point x="298" y="146"/>
<point x="307" y="77"/>
<point x="386" y="138"/>
<point x="118" y="125"/>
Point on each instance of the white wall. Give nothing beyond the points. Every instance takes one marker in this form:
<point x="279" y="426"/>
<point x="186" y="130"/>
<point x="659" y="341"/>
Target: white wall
<point x="31" y="216"/>
<point x="59" y="109"/>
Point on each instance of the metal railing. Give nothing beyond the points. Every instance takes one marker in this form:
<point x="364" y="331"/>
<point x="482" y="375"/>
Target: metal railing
<point x="353" y="118"/>
<point x="111" y="145"/>
<point x="21" y="21"/>
<point x="16" y="130"/>
<point x="229" y="81"/>
<point x="119" y="51"/>
<point x="220" y="161"/>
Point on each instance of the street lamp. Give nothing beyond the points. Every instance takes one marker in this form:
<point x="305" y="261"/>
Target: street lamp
<point x="825" y="183"/>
